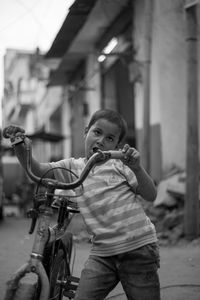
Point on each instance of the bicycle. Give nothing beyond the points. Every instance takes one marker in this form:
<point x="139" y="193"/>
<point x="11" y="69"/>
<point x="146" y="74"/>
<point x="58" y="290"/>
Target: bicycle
<point x="48" y="273"/>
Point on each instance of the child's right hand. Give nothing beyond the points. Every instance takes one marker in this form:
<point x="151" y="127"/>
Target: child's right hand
<point x="12" y="130"/>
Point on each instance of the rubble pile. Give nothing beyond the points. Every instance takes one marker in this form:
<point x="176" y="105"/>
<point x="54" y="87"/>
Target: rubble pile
<point x="167" y="211"/>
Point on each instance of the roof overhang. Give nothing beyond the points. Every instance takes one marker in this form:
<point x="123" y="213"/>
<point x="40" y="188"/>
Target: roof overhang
<point x="90" y="34"/>
<point x="78" y="13"/>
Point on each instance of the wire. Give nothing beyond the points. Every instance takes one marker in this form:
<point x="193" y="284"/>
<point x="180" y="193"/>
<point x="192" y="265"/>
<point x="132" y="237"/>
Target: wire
<point x="83" y="83"/>
<point x="35" y="18"/>
<point x="30" y="11"/>
<point x="18" y="19"/>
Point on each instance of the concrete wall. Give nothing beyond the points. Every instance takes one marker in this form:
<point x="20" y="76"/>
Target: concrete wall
<point x="66" y="129"/>
<point x="168" y="79"/>
<point x="93" y="83"/>
<point x="172" y="80"/>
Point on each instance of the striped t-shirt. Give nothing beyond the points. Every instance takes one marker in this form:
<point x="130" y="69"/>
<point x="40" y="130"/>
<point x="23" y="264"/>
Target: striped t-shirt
<point x="112" y="212"/>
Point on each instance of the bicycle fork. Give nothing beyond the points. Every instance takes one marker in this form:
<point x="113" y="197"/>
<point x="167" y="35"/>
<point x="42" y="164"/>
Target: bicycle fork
<point x="34" y="265"/>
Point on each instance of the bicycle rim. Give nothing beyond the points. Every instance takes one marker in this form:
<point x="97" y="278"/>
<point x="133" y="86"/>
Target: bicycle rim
<point x="59" y="273"/>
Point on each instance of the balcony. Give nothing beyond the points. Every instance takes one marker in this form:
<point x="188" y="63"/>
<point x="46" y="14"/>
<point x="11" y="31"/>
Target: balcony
<point x="26" y="100"/>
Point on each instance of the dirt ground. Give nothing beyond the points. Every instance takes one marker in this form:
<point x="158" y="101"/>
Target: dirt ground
<point x="179" y="272"/>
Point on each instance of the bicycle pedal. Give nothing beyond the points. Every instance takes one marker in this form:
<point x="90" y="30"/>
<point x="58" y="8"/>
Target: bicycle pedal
<point x="69" y="294"/>
<point x="73" y="279"/>
<point x="70" y="287"/>
<point x="71" y="283"/>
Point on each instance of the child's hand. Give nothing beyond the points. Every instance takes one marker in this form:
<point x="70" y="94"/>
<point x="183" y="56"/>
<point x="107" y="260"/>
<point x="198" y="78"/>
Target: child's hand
<point x="131" y="157"/>
<point x="12" y="130"/>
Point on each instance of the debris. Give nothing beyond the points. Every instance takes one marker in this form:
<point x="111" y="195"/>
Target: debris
<point x="167" y="211"/>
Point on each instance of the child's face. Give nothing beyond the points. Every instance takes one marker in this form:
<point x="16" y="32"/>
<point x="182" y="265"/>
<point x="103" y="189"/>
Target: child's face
<point x="103" y="134"/>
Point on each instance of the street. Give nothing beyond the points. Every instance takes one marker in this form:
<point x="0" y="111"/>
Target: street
<point x="179" y="272"/>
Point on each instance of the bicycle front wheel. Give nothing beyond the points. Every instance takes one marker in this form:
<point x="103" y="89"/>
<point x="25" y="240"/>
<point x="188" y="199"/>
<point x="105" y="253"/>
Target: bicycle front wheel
<point x="58" y="276"/>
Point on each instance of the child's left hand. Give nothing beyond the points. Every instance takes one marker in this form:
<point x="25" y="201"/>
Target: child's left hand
<point x="131" y="157"/>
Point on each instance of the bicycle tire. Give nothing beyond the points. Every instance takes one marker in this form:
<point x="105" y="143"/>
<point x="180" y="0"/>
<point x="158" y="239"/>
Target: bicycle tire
<point x="28" y="288"/>
<point x="59" y="267"/>
<point x="59" y="273"/>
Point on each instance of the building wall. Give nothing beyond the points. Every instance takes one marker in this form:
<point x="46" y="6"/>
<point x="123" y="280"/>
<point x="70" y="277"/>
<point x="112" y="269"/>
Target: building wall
<point x="168" y="81"/>
<point x="66" y="128"/>
<point x="48" y="102"/>
<point x="93" y="84"/>
<point x="32" y="103"/>
<point x="168" y="93"/>
<point x="172" y="81"/>
<point x="16" y="69"/>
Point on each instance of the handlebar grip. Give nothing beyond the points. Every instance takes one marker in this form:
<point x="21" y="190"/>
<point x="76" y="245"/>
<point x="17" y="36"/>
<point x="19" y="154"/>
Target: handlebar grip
<point x="116" y="154"/>
<point x="12" y="130"/>
<point x="13" y="133"/>
<point x="5" y="133"/>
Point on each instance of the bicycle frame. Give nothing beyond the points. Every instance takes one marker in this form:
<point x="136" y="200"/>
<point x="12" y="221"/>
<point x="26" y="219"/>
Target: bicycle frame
<point x="44" y="233"/>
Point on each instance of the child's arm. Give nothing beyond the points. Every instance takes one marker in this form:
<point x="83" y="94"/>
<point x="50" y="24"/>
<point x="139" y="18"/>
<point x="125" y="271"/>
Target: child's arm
<point x="146" y="187"/>
<point x="37" y="168"/>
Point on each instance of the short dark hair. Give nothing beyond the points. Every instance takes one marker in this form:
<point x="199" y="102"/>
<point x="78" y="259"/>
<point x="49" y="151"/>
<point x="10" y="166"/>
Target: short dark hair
<point x="111" y="116"/>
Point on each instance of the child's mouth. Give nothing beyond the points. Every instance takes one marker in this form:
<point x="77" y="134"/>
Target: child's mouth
<point x="95" y="149"/>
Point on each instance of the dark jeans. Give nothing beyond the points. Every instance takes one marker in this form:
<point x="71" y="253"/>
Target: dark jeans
<point x="136" y="270"/>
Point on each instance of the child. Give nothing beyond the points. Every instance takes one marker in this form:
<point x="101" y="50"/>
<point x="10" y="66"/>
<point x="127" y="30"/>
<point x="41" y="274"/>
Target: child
<point x="124" y="246"/>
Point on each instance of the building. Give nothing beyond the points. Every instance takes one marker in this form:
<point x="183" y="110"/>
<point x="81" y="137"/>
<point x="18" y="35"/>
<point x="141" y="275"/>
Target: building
<point x="127" y="55"/>
<point x="143" y="75"/>
<point x="25" y="90"/>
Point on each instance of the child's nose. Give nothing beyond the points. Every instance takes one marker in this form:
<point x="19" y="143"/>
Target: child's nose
<point x="100" y="140"/>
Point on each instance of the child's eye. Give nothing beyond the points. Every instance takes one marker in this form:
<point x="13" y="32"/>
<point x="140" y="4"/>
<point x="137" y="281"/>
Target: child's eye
<point x="97" y="132"/>
<point x="110" y="139"/>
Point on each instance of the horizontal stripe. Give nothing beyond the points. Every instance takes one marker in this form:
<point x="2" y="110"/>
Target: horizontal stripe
<point x="110" y="203"/>
<point x="114" y="233"/>
<point x="105" y="250"/>
<point x="138" y="230"/>
<point x="110" y="208"/>
<point x="116" y="220"/>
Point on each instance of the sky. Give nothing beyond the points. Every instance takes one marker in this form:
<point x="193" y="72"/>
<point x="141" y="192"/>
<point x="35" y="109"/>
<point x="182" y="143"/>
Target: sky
<point x="28" y="24"/>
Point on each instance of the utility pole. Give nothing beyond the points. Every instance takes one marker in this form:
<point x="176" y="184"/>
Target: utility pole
<point x="191" y="213"/>
<point x="146" y="145"/>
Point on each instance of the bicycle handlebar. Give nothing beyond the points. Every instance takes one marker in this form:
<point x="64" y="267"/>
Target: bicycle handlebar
<point x="98" y="156"/>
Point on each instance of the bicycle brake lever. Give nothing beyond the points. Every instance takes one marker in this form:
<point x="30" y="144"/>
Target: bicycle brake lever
<point x="33" y="214"/>
<point x="17" y="140"/>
